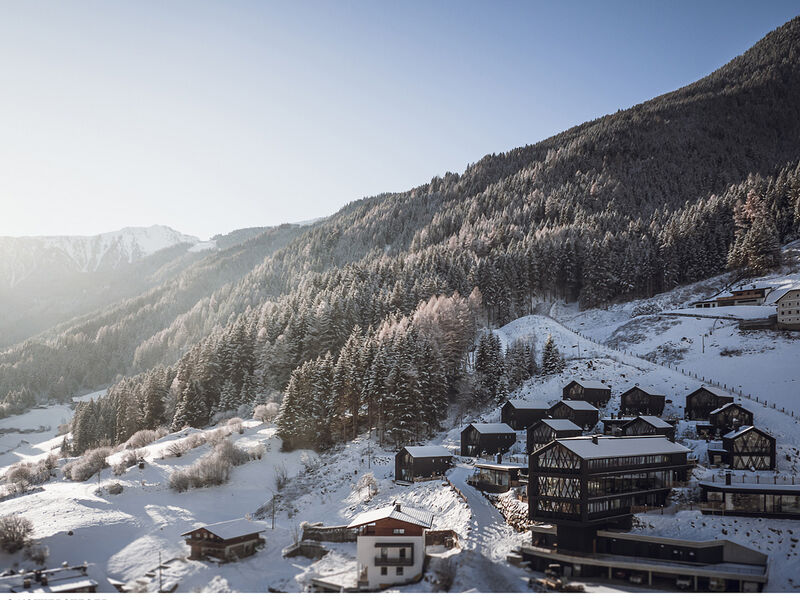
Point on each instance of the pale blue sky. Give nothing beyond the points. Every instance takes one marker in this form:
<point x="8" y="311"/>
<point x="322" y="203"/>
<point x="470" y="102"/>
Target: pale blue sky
<point x="210" y="116"/>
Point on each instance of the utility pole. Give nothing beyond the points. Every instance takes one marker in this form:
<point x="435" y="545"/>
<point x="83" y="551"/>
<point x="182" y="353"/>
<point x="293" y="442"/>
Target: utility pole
<point x="159" y="571"/>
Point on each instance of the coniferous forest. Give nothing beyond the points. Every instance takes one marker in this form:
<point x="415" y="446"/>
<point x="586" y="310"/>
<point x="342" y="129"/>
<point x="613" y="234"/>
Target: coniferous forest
<point x="368" y="319"/>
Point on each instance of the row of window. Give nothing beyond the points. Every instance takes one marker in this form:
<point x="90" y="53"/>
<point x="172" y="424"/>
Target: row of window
<point x="385" y="570"/>
<point x="629" y="482"/>
<point x="597" y="464"/>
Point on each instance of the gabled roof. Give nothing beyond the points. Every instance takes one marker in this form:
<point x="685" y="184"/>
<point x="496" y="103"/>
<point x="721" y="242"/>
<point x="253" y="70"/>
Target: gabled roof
<point x="559" y="425"/>
<point x="611" y="446"/>
<point x="414" y="516"/>
<point x="590" y="384"/>
<point x="734" y="434"/>
<point x="491" y="427"/>
<point x="714" y="390"/>
<point x="577" y="405"/>
<point x="727" y="406"/>
<point x="647" y="390"/>
<point x="231" y="529"/>
<point x="656" y="422"/>
<point x="427" y="451"/>
<point x="529" y="404"/>
<point x="786" y="292"/>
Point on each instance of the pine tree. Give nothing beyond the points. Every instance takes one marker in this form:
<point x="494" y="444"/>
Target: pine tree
<point x="552" y="361"/>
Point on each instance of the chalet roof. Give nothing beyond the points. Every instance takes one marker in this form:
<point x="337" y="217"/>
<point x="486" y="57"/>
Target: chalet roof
<point x="560" y="425"/>
<point x="427" y="451"/>
<point x="231" y="529"/>
<point x="734" y="434"/>
<point x="578" y="405"/>
<point x="529" y="404"/>
<point x="647" y="390"/>
<point x="656" y="422"/>
<point x="727" y="406"/>
<point x="501" y="467"/>
<point x="590" y="384"/>
<point x="789" y="291"/>
<point x="491" y="427"/>
<point x="714" y="390"/>
<point x="611" y="446"/>
<point x="414" y="516"/>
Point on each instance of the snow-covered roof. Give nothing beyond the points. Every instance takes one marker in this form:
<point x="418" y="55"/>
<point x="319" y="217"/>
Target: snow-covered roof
<point x="647" y="390"/>
<point x="591" y="384"/>
<point x="427" y="451"/>
<point x="560" y="424"/>
<point x="398" y="512"/>
<point x="734" y="434"/>
<point x="610" y="446"/>
<point x="726" y="406"/>
<point x="492" y="427"/>
<point x="654" y="421"/>
<point x="767" y="487"/>
<point x="715" y="390"/>
<point x="231" y="529"/>
<point x="578" y="404"/>
<point x="530" y="404"/>
<point x="784" y="292"/>
<point x="501" y="466"/>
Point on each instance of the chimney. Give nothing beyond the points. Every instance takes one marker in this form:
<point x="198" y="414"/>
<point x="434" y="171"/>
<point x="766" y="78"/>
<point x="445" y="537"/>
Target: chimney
<point x="499" y="458"/>
<point x="397" y="507"/>
<point x="728" y="478"/>
<point x="596" y="438"/>
<point x="44" y="579"/>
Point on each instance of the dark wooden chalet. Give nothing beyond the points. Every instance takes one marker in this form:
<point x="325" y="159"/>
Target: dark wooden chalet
<point x="587" y="482"/>
<point x="227" y="540"/>
<point x="642" y="401"/>
<point x="486" y="438"/>
<point x="521" y="414"/>
<point x="420" y="462"/>
<point x="703" y="400"/>
<point x="649" y="425"/>
<point x="613" y="425"/>
<point x="729" y="418"/>
<point x="497" y="478"/>
<point x="594" y="392"/>
<point x="545" y="431"/>
<point x="776" y="501"/>
<point x="749" y="448"/>
<point x="579" y="412"/>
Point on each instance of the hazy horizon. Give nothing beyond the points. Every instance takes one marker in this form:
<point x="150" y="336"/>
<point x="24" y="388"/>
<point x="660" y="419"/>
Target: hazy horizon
<point x="209" y="117"/>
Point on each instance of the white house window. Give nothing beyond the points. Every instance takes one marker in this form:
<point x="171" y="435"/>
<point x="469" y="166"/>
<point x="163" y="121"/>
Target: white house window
<point x="399" y="570"/>
<point x="398" y="531"/>
<point x="384" y="571"/>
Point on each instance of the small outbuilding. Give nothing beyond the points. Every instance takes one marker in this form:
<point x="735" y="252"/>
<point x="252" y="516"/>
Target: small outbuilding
<point x="547" y="430"/>
<point x="498" y="478"/>
<point x="642" y="401"/>
<point x="703" y="400"/>
<point x="486" y="438"/>
<point x="749" y="448"/>
<point x="583" y="414"/>
<point x="521" y="414"/>
<point x="729" y="418"/>
<point x="649" y="425"/>
<point x="420" y="462"/>
<point x="226" y="540"/>
<point x="594" y="392"/>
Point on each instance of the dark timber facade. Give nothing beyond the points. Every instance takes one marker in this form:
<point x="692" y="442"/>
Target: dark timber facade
<point x="642" y="401"/>
<point x="754" y="500"/>
<point x="584" y="483"/>
<point x="729" y="418"/>
<point x="749" y="448"/>
<point x="227" y="540"/>
<point x="486" y="438"/>
<point x="583" y="414"/>
<point x="519" y="414"/>
<point x="703" y="400"/>
<point x="649" y="425"/>
<point x="595" y="393"/>
<point x="545" y="431"/>
<point x="421" y="462"/>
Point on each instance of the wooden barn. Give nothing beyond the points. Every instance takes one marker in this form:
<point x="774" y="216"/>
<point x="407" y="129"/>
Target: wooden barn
<point x="583" y="414"/>
<point x="703" y="400"/>
<point x="729" y="418"/>
<point x="545" y="431"/>
<point x="419" y="462"/>
<point x="649" y="425"/>
<point x="227" y="540"/>
<point x="521" y="414"/>
<point x="486" y="438"/>
<point x="594" y="392"/>
<point x="642" y="401"/>
<point x="586" y="482"/>
<point x="749" y="448"/>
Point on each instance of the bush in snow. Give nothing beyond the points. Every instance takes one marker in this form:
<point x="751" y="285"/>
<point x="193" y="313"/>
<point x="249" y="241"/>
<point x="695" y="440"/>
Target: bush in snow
<point x="114" y="488"/>
<point x="367" y="483"/>
<point x="180" y="448"/>
<point x="216" y="436"/>
<point x="281" y="476"/>
<point x="236" y="424"/>
<point x="37" y="553"/>
<point x="179" y="480"/>
<point x="231" y="454"/>
<point x="15" y="533"/>
<point x="266" y="413"/>
<point x="92" y="462"/>
<point x="256" y="452"/>
<point x="144" y="437"/>
<point x="212" y="469"/>
<point x="128" y="459"/>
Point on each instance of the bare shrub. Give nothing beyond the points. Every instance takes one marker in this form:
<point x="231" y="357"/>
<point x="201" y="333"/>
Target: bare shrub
<point x="142" y="438"/>
<point x="114" y="488"/>
<point x="367" y="483"/>
<point x="19" y="477"/>
<point x="38" y="553"/>
<point x="15" y="533"/>
<point x="256" y="452"/>
<point x="236" y="424"/>
<point x="216" y="436"/>
<point x="230" y="453"/>
<point x="281" y="476"/>
<point x="179" y="480"/>
<point x="266" y="413"/>
<point x="183" y="446"/>
<point x="128" y="459"/>
<point x="212" y="469"/>
<point x="92" y="462"/>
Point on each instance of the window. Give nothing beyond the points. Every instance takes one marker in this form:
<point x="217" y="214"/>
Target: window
<point x="399" y="570"/>
<point x="398" y="531"/>
<point x="384" y="571"/>
<point x="402" y="552"/>
<point x="384" y="553"/>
